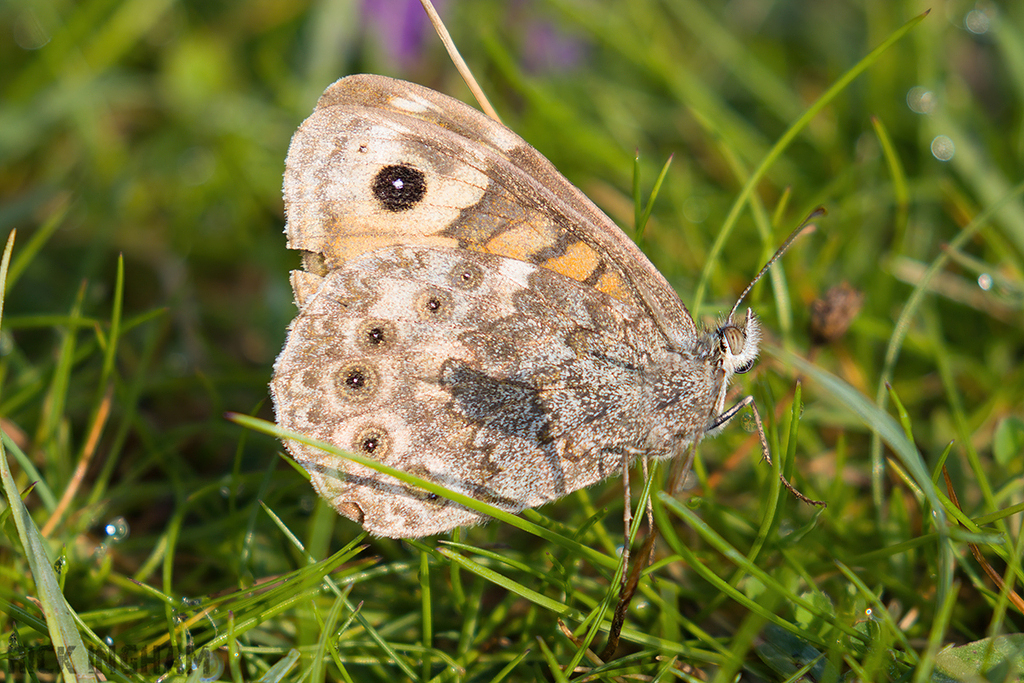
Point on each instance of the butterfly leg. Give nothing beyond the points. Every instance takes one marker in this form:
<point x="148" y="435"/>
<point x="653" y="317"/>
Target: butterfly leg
<point x="650" y="511"/>
<point x="626" y="592"/>
<point x="729" y="414"/>
<point x="627" y="512"/>
<point x="631" y="579"/>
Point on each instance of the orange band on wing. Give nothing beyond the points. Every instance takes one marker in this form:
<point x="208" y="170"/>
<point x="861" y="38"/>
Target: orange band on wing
<point x="578" y="262"/>
<point x="522" y="241"/>
<point x="611" y="284"/>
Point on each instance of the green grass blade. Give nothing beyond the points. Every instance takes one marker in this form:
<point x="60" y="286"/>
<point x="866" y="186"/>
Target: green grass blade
<point x="60" y="624"/>
<point x="780" y="146"/>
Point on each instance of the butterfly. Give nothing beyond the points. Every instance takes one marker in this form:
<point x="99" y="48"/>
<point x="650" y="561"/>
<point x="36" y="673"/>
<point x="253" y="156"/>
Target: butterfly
<point x="467" y="315"/>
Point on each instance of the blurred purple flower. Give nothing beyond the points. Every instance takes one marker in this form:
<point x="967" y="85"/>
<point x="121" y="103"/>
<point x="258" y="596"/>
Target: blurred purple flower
<point x="401" y="26"/>
<point x="548" y="49"/>
<point x="401" y="30"/>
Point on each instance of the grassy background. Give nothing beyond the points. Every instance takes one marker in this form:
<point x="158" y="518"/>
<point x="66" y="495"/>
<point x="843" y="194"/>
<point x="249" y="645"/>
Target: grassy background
<point x="150" y="135"/>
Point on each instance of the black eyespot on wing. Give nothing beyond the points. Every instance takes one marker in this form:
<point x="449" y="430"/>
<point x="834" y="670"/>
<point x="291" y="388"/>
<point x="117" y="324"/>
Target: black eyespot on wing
<point x="375" y="336"/>
<point x="373" y="442"/>
<point x="357" y="382"/>
<point x="399" y="187"/>
<point x="434" y="304"/>
<point x="466" y="276"/>
<point x="431" y="499"/>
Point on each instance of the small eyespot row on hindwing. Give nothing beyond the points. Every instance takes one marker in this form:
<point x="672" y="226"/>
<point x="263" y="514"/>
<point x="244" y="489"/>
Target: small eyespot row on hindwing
<point x="434" y="304"/>
<point x="357" y="382"/>
<point x="373" y="442"/>
<point x="431" y="499"/>
<point x="375" y="336"/>
<point x="399" y="187"/>
<point x="426" y="496"/>
<point x="466" y="276"/>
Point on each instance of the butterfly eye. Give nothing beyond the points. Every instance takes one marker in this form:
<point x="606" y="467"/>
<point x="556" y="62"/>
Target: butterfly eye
<point x="745" y="368"/>
<point x="733" y="340"/>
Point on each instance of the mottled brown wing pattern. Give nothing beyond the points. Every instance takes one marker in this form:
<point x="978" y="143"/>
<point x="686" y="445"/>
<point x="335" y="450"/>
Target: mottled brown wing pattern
<point x="468" y="316"/>
<point x="507" y="382"/>
<point x="483" y="189"/>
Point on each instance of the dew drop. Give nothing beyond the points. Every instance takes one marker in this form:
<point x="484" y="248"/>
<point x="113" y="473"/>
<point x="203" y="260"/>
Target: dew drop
<point x="28" y="32"/>
<point x="6" y="343"/>
<point x="921" y="100"/>
<point x="208" y="664"/>
<point x="117" y="529"/>
<point x="977" y="22"/>
<point x="943" y="148"/>
<point x="985" y="281"/>
<point x="696" y="209"/>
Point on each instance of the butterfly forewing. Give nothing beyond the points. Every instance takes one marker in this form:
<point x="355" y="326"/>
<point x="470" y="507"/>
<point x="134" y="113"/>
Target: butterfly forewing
<point x="486" y="190"/>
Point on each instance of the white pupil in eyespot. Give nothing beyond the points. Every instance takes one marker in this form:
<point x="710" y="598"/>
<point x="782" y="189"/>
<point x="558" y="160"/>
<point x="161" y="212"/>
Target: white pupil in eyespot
<point x="399" y="184"/>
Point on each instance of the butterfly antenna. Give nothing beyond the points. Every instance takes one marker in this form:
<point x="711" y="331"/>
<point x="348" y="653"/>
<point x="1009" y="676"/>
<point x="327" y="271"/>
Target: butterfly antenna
<point x="805" y="228"/>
